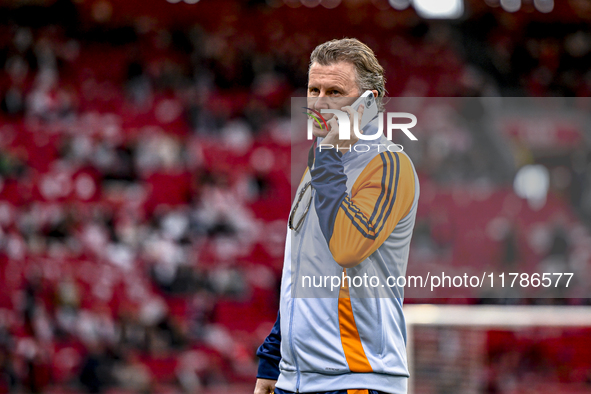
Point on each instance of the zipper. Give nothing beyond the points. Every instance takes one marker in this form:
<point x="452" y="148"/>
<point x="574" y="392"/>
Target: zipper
<point x="297" y="267"/>
<point x="381" y="343"/>
<point x="291" y="341"/>
<point x="377" y="297"/>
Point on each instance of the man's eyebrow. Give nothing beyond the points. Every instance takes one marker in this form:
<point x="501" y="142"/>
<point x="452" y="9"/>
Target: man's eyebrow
<point x="335" y="87"/>
<point x="329" y="87"/>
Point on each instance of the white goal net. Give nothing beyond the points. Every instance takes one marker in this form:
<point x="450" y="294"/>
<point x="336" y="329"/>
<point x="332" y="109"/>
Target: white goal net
<point x="499" y="349"/>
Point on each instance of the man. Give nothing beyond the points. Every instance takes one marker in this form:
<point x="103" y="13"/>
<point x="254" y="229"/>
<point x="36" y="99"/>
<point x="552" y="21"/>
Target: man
<point x="353" y="217"/>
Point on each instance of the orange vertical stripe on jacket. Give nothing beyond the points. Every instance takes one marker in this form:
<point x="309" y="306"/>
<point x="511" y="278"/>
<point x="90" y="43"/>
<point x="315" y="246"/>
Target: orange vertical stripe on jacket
<point x="350" y="340"/>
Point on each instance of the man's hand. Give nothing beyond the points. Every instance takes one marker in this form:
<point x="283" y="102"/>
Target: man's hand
<point x="332" y="138"/>
<point x="264" y="386"/>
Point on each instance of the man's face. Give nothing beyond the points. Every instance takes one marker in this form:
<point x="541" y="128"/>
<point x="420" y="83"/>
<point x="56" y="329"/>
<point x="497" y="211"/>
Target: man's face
<point x="331" y="87"/>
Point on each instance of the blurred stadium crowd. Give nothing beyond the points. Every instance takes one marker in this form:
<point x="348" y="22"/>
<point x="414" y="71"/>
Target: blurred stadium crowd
<point x="145" y="178"/>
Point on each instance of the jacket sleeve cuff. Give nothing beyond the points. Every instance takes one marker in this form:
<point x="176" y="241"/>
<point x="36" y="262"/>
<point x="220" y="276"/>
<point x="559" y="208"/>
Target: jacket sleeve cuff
<point x="268" y="369"/>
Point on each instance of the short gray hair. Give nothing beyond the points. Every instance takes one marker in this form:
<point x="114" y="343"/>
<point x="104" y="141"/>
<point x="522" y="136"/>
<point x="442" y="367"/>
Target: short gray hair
<point x="369" y="72"/>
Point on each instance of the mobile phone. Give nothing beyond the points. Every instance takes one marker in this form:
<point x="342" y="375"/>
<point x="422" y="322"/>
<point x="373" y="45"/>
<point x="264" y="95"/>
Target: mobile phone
<point x="371" y="107"/>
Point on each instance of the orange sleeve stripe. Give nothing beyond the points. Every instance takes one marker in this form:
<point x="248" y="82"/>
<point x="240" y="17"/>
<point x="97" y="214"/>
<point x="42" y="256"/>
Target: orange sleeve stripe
<point x="352" y="347"/>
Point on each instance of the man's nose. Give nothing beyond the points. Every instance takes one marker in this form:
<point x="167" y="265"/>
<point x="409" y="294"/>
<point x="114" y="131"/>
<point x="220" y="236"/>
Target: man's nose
<point x="321" y="101"/>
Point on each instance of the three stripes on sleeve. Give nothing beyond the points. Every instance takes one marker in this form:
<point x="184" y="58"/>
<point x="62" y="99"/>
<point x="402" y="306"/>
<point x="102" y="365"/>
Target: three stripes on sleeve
<point x="355" y="225"/>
